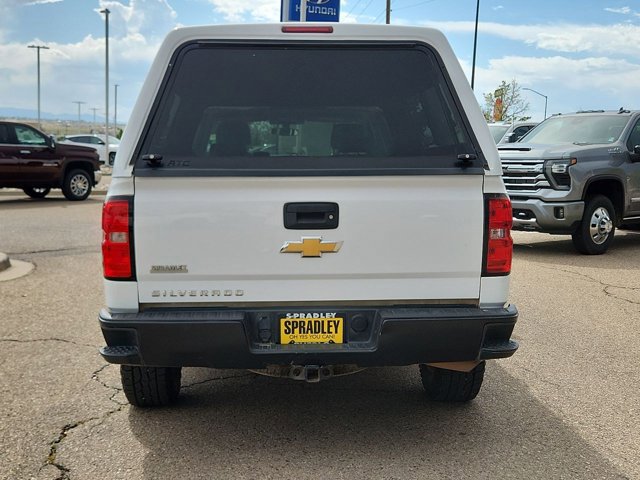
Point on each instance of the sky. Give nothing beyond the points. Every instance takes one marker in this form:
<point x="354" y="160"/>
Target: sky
<point x="581" y="54"/>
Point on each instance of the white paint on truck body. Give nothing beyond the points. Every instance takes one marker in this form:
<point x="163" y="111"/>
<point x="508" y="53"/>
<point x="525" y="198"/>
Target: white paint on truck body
<point x="417" y="237"/>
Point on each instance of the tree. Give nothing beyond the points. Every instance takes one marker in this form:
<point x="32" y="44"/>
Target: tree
<point x="505" y="103"/>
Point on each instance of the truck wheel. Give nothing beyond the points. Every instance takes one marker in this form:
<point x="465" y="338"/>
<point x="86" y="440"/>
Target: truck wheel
<point x="595" y="233"/>
<point x="150" y="386"/>
<point x="112" y="158"/>
<point x="444" y="385"/>
<point x="77" y="185"/>
<point x="36" y="192"/>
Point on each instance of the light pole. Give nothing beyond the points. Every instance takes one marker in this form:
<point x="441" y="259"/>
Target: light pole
<point x="38" y="48"/>
<point x="106" y="117"/>
<point x="115" y="110"/>
<point x="475" y="45"/>
<point x="542" y="95"/>
<point x="79" y="105"/>
<point x="388" y="10"/>
<point x="303" y="10"/>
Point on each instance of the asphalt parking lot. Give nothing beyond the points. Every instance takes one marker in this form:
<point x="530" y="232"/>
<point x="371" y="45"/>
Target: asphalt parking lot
<point x="565" y="406"/>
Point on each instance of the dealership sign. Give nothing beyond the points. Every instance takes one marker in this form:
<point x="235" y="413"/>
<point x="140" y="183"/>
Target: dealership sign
<point x="317" y="10"/>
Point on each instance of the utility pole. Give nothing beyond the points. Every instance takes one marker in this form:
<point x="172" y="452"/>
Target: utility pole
<point x="475" y="44"/>
<point x="115" y="110"/>
<point x="93" y="125"/>
<point x="388" y="12"/>
<point x="106" y="12"/>
<point x="38" y="48"/>
<point x="79" y="105"/>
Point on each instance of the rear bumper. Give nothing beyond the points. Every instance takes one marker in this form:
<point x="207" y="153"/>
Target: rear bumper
<point x="235" y="339"/>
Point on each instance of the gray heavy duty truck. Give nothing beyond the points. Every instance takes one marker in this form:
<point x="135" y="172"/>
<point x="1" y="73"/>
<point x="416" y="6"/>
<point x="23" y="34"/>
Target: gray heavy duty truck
<point x="577" y="174"/>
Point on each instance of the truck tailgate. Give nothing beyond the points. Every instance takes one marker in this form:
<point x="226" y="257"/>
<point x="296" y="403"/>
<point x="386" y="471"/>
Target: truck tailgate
<point x="212" y="240"/>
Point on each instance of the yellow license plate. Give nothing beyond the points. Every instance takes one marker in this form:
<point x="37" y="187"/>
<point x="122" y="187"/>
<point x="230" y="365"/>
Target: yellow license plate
<point x="311" y="330"/>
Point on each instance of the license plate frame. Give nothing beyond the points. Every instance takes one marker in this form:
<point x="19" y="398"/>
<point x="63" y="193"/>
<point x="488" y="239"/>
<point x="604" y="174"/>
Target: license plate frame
<point x="312" y="329"/>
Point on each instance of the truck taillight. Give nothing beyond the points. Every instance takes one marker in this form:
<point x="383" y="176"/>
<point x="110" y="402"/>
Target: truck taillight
<point x="117" y="241"/>
<point x="498" y="242"/>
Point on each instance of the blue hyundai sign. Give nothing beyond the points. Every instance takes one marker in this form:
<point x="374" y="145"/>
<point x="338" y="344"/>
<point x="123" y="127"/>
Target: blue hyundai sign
<point x="317" y="10"/>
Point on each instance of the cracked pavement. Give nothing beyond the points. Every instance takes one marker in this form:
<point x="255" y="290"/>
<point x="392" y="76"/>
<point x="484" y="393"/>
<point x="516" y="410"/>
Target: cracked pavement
<point x="563" y="407"/>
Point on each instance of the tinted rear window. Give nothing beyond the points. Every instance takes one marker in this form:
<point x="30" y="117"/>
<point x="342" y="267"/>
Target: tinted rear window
<point x="315" y="108"/>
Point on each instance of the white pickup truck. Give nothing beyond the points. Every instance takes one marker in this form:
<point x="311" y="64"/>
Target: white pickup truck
<point x="306" y="196"/>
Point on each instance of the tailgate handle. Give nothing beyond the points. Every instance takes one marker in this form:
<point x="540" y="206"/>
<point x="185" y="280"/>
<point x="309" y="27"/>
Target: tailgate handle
<point x="311" y="216"/>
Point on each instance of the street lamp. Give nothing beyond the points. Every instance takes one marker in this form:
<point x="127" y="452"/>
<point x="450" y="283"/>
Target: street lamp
<point x="115" y="112"/>
<point x="38" y="48"/>
<point x="542" y="95"/>
<point x="475" y="44"/>
<point x="106" y="12"/>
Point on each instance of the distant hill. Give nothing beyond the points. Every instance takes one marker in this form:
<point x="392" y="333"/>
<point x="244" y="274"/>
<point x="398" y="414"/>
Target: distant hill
<point x="28" y="114"/>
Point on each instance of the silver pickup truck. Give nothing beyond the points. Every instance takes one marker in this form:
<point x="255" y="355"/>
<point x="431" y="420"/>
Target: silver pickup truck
<point x="576" y="174"/>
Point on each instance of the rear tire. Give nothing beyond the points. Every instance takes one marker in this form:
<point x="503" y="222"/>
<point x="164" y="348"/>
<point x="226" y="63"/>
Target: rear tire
<point x="444" y="385"/>
<point x="77" y="185"/>
<point x="36" y="192"/>
<point x="112" y="158"/>
<point x="595" y="232"/>
<point x="150" y="386"/>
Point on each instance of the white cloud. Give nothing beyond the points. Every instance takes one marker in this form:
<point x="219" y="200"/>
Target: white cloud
<point x="570" y="84"/>
<point x="497" y="7"/>
<point x="75" y="71"/>
<point x="146" y="17"/>
<point x="592" y="72"/>
<point x="615" y="40"/>
<point x="248" y="10"/>
<point x="40" y="2"/>
<point x="623" y="10"/>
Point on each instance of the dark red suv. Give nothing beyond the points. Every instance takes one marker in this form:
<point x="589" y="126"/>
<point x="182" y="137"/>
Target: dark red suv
<point x="32" y="161"/>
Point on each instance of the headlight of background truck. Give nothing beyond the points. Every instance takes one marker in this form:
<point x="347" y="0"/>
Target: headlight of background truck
<point x="557" y="172"/>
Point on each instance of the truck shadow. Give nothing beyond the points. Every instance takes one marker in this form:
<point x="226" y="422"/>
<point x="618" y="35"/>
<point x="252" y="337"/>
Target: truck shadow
<point x="376" y="424"/>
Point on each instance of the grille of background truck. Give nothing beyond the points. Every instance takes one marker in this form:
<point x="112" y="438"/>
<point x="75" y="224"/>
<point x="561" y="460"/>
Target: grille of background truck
<point x="524" y="175"/>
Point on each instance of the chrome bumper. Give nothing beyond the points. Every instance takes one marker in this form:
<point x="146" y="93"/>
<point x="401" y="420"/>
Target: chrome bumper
<point x="535" y="215"/>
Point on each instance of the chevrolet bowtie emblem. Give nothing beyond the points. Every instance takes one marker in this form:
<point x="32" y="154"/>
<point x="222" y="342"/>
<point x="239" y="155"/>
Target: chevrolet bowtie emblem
<point x="311" y="247"/>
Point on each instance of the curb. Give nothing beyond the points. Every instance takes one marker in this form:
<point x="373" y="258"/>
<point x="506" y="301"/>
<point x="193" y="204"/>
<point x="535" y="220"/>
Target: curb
<point x="4" y="262"/>
<point x="18" y="269"/>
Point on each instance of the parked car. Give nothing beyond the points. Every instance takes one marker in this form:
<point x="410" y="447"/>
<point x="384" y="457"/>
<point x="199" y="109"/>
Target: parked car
<point x="577" y="174"/>
<point x="34" y="162"/>
<point x="510" y="132"/>
<point x="362" y="224"/>
<point x="95" y="141"/>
